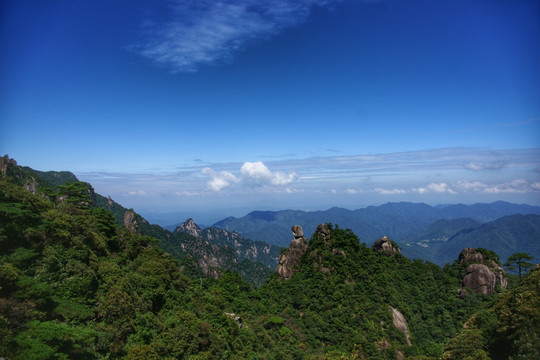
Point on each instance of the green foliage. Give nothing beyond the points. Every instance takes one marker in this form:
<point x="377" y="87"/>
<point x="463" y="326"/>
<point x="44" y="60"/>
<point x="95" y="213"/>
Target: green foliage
<point x="468" y="345"/>
<point x="518" y="260"/>
<point x="75" y="285"/>
<point x="77" y="193"/>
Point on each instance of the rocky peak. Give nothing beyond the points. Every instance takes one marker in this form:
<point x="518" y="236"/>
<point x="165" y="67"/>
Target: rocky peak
<point x="482" y="274"/>
<point x="189" y="227"/>
<point x="290" y="258"/>
<point x="386" y="246"/>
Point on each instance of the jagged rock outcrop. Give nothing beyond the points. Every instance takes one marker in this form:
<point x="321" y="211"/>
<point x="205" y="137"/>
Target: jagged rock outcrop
<point x="290" y="258"/>
<point x="482" y="275"/>
<point x="385" y="245"/>
<point x="4" y="161"/>
<point x="401" y="324"/>
<point x="31" y="186"/>
<point x="190" y="228"/>
<point x="130" y="222"/>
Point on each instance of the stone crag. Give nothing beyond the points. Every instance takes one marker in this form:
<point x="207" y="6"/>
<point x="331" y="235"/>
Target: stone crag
<point x="386" y="246"/>
<point x="290" y="258"/>
<point x="482" y="275"/>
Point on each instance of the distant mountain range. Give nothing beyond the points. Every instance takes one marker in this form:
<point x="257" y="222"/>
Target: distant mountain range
<point x="434" y="233"/>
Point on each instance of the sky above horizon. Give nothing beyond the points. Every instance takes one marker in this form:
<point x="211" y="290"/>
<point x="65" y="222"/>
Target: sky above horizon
<point x="216" y="108"/>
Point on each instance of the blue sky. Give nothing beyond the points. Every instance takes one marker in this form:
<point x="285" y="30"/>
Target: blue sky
<point x="214" y="108"/>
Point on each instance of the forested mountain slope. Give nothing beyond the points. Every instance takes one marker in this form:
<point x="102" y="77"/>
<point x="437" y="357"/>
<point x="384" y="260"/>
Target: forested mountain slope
<point x="244" y="248"/>
<point x="75" y="285"/>
<point x="211" y="259"/>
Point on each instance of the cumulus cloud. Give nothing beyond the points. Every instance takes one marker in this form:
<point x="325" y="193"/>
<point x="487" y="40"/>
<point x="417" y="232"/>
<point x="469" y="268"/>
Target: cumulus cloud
<point x="257" y="173"/>
<point x="252" y="174"/>
<point x="219" y="180"/>
<point x="207" y="32"/>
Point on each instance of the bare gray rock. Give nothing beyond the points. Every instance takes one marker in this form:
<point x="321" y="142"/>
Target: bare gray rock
<point x="481" y="275"/>
<point x="130" y="222"/>
<point x="290" y="258"/>
<point x="189" y="227"/>
<point x="401" y="324"/>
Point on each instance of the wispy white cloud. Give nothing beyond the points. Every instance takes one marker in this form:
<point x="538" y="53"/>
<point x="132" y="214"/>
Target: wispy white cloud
<point x="440" y="188"/>
<point x="137" y="193"/>
<point x="479" y="166"/>
<point x="516" y="186"/>
<point x="390" y="191"/>
<point x="207" y="32"/>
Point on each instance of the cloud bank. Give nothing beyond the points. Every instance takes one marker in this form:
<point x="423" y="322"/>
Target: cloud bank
<point x="432" y="176"/>
<point x="208" y="32"/>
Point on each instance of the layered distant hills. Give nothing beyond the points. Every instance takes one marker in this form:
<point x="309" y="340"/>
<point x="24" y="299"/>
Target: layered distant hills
<point x="425" y="232"/>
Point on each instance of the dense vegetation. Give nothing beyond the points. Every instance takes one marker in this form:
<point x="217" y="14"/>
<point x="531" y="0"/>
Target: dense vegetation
<point x="74" y="284"/>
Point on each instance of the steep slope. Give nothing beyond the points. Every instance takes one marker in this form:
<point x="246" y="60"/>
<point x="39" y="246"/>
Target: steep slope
<point x="210" y="259"/>
<point x="257" y="251"/>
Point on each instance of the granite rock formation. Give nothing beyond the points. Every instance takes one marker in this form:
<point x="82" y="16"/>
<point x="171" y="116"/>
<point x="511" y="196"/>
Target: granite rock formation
<point x="386" y="246"/>
<point x="290" y="258"/>
<point x="482" y="275"/>
<point x="190" y="228"/>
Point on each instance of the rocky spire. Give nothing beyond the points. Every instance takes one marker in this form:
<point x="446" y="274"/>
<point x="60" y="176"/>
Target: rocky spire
<point x="290" y="258"/>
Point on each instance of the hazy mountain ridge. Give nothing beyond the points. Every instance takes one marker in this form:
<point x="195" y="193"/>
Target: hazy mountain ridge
<point x="406" y="223"/>
<point x="507" y="235"/>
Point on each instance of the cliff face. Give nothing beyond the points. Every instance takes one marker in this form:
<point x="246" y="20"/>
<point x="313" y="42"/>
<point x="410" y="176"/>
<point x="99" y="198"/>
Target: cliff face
<point x="290" y="258"/>
<point x="482" y="275"/>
